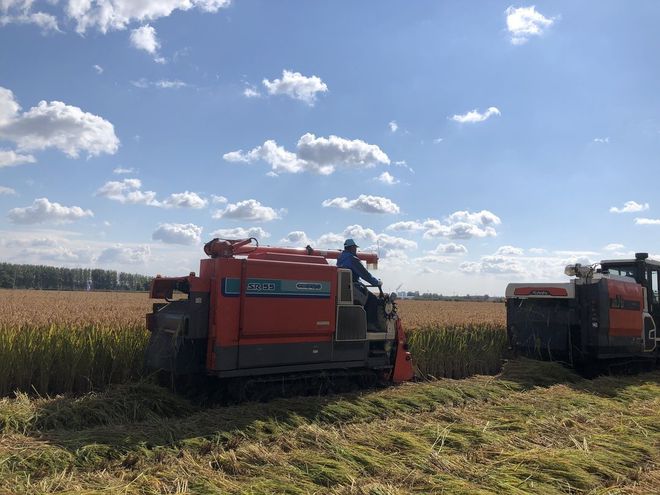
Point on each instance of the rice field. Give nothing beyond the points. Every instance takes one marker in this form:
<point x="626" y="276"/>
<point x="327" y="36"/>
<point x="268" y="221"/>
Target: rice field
<point x="534" y="428"/>
<point x="58" y="342"/>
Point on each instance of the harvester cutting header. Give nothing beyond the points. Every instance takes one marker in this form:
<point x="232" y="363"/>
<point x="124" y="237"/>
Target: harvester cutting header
<point x="271" y="311"/>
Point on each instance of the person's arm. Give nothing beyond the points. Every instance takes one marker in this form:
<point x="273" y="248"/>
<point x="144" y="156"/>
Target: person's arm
<point x="359" y="268"/>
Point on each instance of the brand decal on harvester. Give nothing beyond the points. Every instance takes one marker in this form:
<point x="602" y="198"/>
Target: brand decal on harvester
<point x="275" y="288"/>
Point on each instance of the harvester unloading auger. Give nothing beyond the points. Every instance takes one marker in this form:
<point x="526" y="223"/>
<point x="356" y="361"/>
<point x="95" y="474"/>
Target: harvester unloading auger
<point x="266" y="312"/>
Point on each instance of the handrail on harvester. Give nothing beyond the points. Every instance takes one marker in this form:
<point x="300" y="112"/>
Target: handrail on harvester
<point x="227" y="248"/>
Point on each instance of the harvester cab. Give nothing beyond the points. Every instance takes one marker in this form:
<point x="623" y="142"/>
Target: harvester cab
<point x="260" y="311"/>
<point x="607" y="313"/>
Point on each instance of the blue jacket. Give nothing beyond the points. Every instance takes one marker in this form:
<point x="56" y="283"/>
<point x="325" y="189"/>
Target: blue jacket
<point x="349" y="260"/>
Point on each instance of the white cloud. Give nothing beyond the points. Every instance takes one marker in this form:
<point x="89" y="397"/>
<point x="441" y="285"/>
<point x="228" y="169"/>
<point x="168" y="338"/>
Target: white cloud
<point x="364" y="203"/>
<point x="9" y="158"/>
<point x="525" y="22"/>
<point x="251" y="92"/>
<point x="320" y="155"/>
<point x="647" y="221"/>
<point x="185" y="199"/>
<point x="144" y="38"/>
<point x="450" y="248"/>
<point x="393" y="126"/>
<point x="250" y="209"/>
<point x="98" y="69"/>
<point x="129" y="191"/>
<point x="169" y="84"/>
<point x="614" y="247"/>
<point x="218" y="199"/>
<point x="297" y="238"/>
<point x="297" y="86"/>
<point x="438" y="140"/>
<point x="474" y="116"/>
<point x="387" y="178"/>
<point x="106" y="15"/>
<point x="178" y="233"/>
<point x="334" y="150"/>
<point x="121" y="255"/>
<point x="463" y="225"/>
<point x="241" y="233"/>
<point x="389" y="243"/>
<point x="7" y="191"/>
<point x="330" y="240"/>
<point x="55" y="125"/>
<point x="509" y="251"/>
<point x="121" y="170"/>
<point x="406" y="226"/>
<point x="21" y="13"/>
<point x="42" y="210"/>
<point x="630" y="207"/>
<point x="604" y="140"/>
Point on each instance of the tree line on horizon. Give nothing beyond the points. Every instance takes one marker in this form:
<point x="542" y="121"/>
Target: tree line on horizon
<point x="13" y="276"/>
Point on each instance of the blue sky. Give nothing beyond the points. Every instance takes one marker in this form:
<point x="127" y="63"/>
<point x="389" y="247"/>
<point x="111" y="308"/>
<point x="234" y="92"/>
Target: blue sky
<point x="471" y="144"/>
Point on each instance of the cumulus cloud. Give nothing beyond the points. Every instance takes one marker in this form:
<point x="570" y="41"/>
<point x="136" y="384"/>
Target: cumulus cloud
<point x="55" y="125"/>
<point x="647" y="221"/>
<point x="250" y="209"/>
<point x="241" y="233"/>
<point x="20" y="12"/>
<point x="450" y="248"/>
<point x="178" y="233"/>
<point x="218" y="199"/>
<point x="525" y="22"/>
<point x="393" y="126"/>
<point x="185" y="199"/>
<point x="98" y="69"/>
<point x="474" y="116"/>
<point x="107" y="15"/>
<point x="614" y="247"/>
<point x="605" y="140"/>
<point x="121" y="170"/>
<point x="387" y="178"/>
<point x="121" y="255"/>
<point x="313" y="154"/>
<point x="509" y="251"/>
<point x="296" y="238"/>
<point x="9" y="158"/>
<point x="251" y="92"/>
<point x="406" y="226"/>
<point x="296" y="86"/>
<point x="42" y="210"/>
<point x="8" y="191"/>
<point x="129" y="191"/>
<point x="368" y="239"/>
<point x="463" y="225"/>
<point x="364" y="203"/>
<point x="630" y="207"/>
<point x="144" y="38"/>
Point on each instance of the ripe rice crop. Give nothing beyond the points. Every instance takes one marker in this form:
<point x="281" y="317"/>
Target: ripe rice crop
<point x="57" y="342"/>
<point x="457" y="351"/>
<point x="453" y="313"/>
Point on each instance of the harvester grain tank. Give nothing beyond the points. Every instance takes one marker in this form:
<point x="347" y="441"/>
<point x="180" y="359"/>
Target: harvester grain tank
<point x="258" y="311"/>
<point x="606" y="314"/>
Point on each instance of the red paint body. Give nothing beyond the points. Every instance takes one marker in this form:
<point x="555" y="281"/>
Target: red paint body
<point x="268" y="300"/>
<point x="625" y="322"/>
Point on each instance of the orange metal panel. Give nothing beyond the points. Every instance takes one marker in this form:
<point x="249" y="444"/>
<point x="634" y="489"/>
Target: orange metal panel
<point x="626" y="306"/>
<point x="283" y="300"/>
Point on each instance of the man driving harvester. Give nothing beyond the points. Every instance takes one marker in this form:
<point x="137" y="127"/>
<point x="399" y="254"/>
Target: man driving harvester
<point x="348" y="259"/>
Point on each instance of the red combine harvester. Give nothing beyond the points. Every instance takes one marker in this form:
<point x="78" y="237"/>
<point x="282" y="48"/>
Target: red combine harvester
<point x="603" y="316"/>
<point x="262" y="311"/>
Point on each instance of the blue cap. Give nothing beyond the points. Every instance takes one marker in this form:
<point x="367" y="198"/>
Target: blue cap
<point x="350" y="243"/>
